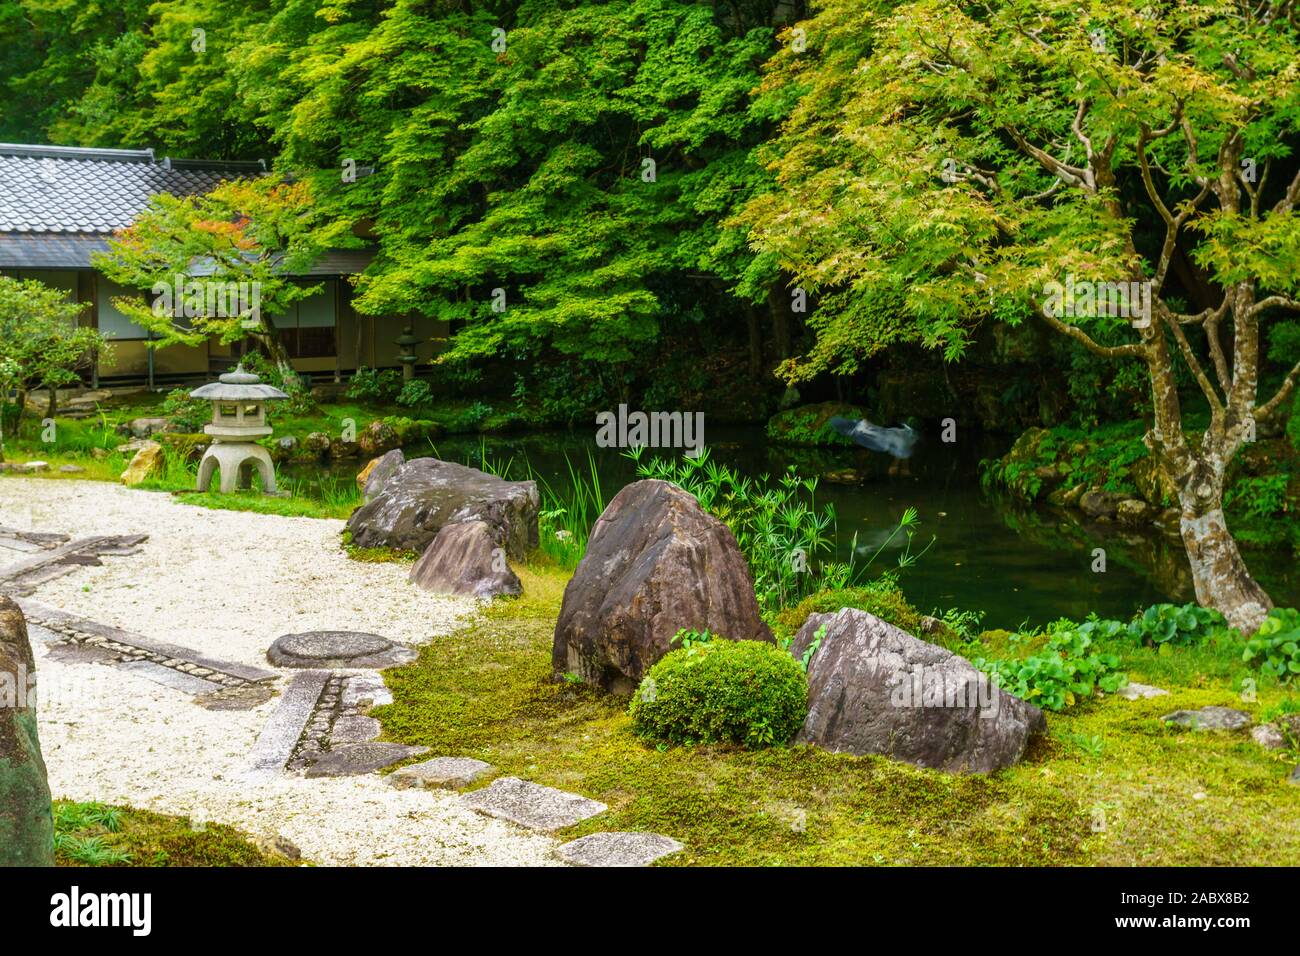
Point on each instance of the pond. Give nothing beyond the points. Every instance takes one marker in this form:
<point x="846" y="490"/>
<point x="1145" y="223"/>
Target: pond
<point x="1014" y="563"/>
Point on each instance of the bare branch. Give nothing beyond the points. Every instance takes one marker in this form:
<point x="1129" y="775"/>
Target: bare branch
<point x="1266" y="411"/>
<point x="1083" y="338"/>
<point x="1198" y="372"/>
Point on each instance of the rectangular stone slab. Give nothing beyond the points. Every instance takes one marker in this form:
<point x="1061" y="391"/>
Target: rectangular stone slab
<point x="531" y="805"/>
<point x="280" y="735"/>
<point x="162" y="649"/>
<point x="177" y="680"/>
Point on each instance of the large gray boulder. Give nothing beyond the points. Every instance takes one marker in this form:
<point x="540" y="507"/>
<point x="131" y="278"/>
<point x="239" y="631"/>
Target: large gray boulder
<point x="656" y="562"/>
<point x="26" y="824"/>
<point x="875" y="689"/>
<point x="465" y="559"/>
<point x="422" y="495"/>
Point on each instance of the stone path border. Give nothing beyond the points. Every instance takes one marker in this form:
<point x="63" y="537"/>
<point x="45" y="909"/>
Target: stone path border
<point x="280" y="737"/>
<point x="170" y="664"/>
<point x="21" y="578"/>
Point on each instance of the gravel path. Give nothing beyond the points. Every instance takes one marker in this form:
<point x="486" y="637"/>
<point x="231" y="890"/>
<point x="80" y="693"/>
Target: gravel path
<point x="228" y="583"/>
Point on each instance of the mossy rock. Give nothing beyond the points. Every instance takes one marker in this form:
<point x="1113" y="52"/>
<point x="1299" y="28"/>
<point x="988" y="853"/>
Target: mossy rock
<point x="809" y="425"/>
<point x="411" y="431"/>
<point x="881" y="597"/>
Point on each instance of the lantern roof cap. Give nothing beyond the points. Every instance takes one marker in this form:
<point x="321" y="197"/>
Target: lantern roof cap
<point x="236" y="386"/>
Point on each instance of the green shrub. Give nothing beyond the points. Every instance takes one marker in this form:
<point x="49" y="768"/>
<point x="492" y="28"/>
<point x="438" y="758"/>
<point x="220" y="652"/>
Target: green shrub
<point x="1175" y="626"/>
<point x="189" y="414"/>
<point x="374" y="385"/>
<point x="415" y="394"/>
<point x="1067" y="669"/>
<point x="743" y="692"/>
<point x="1275" y="648"/>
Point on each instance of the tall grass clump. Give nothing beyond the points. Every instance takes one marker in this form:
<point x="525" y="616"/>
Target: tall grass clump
<point x="789" y="541"/>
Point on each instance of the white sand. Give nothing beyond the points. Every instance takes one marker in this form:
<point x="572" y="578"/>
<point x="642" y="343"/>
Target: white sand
<point x="228" y="583"/>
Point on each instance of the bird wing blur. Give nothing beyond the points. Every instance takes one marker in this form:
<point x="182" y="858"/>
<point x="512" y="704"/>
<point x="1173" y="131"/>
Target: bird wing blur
<point x="898" y="442"/>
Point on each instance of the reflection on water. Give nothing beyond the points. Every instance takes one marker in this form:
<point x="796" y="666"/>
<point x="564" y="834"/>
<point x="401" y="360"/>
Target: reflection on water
<point x="1018" y="565"/>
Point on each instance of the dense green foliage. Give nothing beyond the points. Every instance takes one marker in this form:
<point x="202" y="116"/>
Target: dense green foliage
<point x="1176" y="626"/>
<point x="720" y="691"/>
<point x="1067" y="668"/>
<point x="1275" y="649"/>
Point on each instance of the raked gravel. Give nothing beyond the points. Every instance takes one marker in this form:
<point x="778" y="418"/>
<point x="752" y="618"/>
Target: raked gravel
<point x="228" y="583"/>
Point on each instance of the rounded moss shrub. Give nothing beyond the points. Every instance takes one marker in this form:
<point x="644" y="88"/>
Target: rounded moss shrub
<point x="744" y="692"/>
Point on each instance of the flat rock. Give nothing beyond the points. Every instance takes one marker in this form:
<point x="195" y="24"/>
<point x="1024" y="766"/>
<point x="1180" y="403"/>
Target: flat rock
<point x="1268" y="736"/>
<point x="71" y="469"/>
<point x="315" y="649"/>
<point x="449" y="772"/>
<point x="875" y="689"/>
<point x="1133" y="691"/>
<point x="618" y="849"/>
<point x="354" y="729"/>
<point x="531" y="805"/>
<point x="354" y="759"/>
<point x="244" y="697"/>
<point x="1295" y="775"/>
<point x="1210" y="718"/>
<point x="465" y="559"/>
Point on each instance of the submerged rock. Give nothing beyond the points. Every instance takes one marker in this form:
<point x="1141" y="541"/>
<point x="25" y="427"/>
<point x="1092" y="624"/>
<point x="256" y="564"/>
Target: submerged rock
<point x="26" y="824"/>
<point x="420" y="496"/>
<point x="656" y="562"/>
<point x="875" y="689"/>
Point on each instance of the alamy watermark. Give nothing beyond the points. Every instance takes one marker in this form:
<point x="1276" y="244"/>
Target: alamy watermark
<point x="934" y="687"/>
<point x="189" y="298"/>
<point x="1083" y="298"/>
<point x="636" y="429"/>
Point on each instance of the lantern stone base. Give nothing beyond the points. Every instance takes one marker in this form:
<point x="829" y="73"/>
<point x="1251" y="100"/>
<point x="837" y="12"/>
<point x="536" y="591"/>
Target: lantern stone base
<point x="230" y="457"/>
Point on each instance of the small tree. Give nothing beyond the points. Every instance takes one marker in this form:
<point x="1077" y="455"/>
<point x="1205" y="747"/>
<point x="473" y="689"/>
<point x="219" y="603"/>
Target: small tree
<point x="949" y="163"/>
<point x="41" y="344"/>
<point x="221" y="264"/>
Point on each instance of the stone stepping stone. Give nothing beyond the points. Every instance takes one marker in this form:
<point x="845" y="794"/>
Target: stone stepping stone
<point x="243" y="697"/>
<point x="1268" y="736"/>
<point x="449" y="772"/>
<point x="618" y="849"/>
<point x="1210" y="718"/>
<point x="279" y="738"/>
<point x="343" y="649"/>
<point x="354" y="729"/>
<point x="1295" y="776"/>
<point x="354" y="759"/>
<point x="531" y="805"/>
<point x="1134" y="691"/>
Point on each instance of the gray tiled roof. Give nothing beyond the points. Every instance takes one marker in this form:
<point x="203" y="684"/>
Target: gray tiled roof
<point x="45" y="189"/>
<point x="59" y="204"/>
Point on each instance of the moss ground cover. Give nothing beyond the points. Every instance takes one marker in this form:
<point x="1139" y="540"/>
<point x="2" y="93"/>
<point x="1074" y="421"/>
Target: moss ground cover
<point x="1109" y="784"/>
<point x="93" y="834"/>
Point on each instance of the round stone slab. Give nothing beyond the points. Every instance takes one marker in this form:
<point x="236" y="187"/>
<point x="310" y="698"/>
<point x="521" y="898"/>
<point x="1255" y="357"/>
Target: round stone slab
<point x="321" y="649"/>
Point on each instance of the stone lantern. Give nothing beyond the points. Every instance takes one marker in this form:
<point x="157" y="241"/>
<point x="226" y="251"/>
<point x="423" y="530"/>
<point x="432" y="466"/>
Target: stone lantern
<point x="407" y="342"/>
<point x="238" y="418"/>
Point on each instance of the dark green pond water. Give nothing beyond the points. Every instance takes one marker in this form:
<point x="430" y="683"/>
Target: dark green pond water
<point x="1015" y="564"/>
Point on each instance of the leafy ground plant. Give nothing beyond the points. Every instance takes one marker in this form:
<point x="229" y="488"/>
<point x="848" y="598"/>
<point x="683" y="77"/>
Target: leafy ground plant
<point x="1068" y="668"/>
<point x="1275" y="648"/>
<point x="1173" y="625"/>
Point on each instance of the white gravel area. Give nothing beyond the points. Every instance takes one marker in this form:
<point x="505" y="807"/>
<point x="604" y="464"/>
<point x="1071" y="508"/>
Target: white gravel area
<point x="228" y="583"/>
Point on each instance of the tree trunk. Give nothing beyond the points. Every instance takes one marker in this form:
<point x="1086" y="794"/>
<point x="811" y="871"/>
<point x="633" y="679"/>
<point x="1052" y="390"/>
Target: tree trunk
<point x="277" y="353"/>
<point x="1219" y="573"/>
<point x="53" y="405"/>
